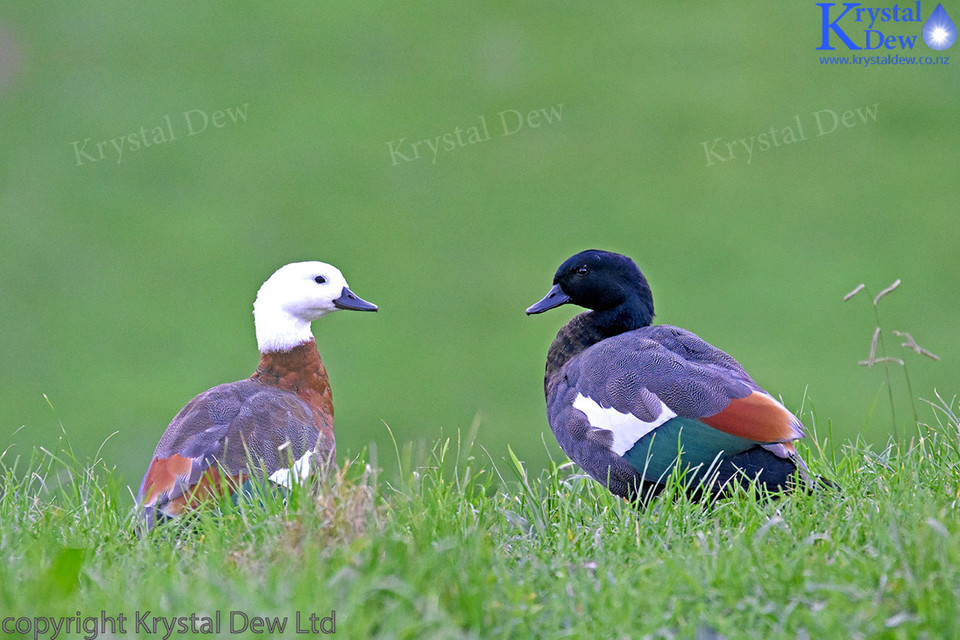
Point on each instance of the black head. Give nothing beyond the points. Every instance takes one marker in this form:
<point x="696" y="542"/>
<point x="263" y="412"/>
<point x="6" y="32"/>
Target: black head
<point x="607" y="283"/>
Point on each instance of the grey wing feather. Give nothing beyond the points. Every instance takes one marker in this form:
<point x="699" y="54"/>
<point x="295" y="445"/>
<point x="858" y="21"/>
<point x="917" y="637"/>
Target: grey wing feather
<point x="634" y="371"/>
<point x="219" y="426"/>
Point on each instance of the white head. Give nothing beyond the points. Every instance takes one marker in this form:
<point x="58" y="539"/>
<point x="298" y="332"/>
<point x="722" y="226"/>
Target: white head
<point x="296" y="295"/>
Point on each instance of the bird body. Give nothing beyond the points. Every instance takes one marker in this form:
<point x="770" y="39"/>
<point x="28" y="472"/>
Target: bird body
<point x="278" y="422"/>
<point x="628" y="401"/>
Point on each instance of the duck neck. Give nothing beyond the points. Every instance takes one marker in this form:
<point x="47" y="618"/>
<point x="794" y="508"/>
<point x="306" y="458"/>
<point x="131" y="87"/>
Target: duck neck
<point x="278" y="330"/>
<point x="298" y="369"/>
<point x="635" y="312"/>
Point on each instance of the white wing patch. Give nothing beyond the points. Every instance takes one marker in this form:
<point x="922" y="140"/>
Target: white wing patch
<point x="626" y="428"/>
<point x="297" y="473"/>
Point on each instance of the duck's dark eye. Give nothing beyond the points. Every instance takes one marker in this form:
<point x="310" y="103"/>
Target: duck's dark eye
<point x="582" y="271"/>
<point x="319" y="279"/>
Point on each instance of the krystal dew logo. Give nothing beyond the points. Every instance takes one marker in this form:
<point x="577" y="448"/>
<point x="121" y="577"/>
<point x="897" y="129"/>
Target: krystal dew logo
<point x="843" y="24"/>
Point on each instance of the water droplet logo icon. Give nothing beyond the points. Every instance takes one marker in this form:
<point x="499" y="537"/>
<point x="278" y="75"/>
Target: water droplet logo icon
<point x="939" y="32"/>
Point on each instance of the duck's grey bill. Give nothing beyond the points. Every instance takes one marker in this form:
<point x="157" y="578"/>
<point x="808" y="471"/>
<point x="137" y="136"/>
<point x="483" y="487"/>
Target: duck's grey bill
<point x="554" y="298"/>
<point x="349" y="300"/>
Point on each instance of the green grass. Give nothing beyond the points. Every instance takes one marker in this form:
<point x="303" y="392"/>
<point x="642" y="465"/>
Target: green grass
<point x="462" y="546"/>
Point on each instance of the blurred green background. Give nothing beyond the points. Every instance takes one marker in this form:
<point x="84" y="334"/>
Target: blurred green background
<point x="127" y="286"/>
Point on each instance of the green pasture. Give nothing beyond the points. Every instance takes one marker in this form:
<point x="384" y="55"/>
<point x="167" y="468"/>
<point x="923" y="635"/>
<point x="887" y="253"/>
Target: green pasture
<point x="458" y="546"/>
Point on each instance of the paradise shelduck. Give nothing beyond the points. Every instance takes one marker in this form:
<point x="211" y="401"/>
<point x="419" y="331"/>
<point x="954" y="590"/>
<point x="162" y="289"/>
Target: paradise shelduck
<point x="278" y="422"/>
<point x="625" y="398"/>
